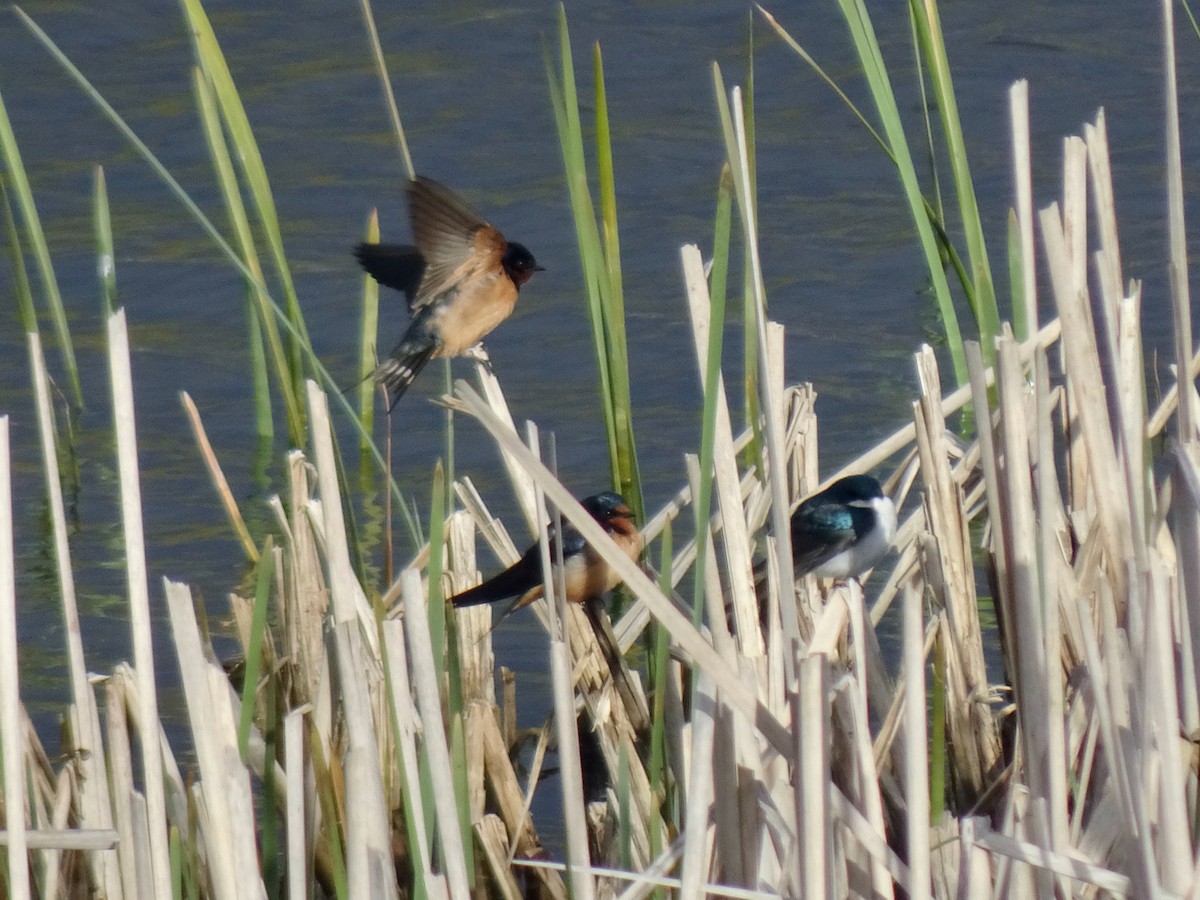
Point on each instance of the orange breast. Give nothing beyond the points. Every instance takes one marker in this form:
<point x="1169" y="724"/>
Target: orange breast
<point x="483" y="302"/>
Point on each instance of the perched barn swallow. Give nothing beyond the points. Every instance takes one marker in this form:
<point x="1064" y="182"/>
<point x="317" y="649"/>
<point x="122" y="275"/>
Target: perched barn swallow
<point x="461" y="280"/>
<point x="585" y="575"/>
<point x="586" y="578"/>
<point x="844" y="530"/>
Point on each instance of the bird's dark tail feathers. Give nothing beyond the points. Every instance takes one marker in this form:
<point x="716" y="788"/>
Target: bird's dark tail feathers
<point x="512" y="582"/>
<point x="399" y="370"/>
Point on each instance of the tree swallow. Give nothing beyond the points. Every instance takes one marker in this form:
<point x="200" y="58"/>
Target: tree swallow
<point x="844" y="530"/>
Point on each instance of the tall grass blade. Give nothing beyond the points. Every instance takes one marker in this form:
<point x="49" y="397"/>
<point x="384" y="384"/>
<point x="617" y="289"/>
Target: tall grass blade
<point x="712" y="379"/>
<point x="330" y="818"/>
<point x="106" y="258"/>
<point x="20" y="275"/>
<point x="212" y="61"/>
<point x="656" y="770"/>
<point x="754" y="451"/>
<point x="437" y="544"/>
<point x="259" y="316"/>
<point x="867" y="46"/>
<point x="35" y="240"/>
<point x="983" y="298"/>
<point x="599" y="254"/>
<point x="368" y="353"/>
<point x="381" y="68"/>
<point x="253" y="650"/>
<point x="937" y="742"/>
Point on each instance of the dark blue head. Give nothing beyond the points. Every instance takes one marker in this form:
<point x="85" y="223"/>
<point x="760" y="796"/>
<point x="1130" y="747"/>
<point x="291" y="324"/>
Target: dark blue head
<point x="519" y="263"/>
<point x="606" y="506"/>
<point x="853" y="489"/>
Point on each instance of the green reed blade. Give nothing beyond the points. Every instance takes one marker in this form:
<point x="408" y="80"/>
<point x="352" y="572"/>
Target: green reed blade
<point x="260" y="318"/>
<point x="212" y="60"/>
<point x="867" y="47"/>
<point x="702" y="503"/>
<point x="437" y="606"/>
<point x="1016" y="278"/>
<point x="106" y="264"/>
<point x="368" y="335"/>
<point x="599" y="252"/>
<point x="176" y="851"/>
<point x="629" y="482"/>
<point x="749" y="314"/>
<point x="828" y="79"/>
<point x="983" y="300"/>
<point x="20" y="275"/>
<point x="927" y="111"/>
<point x="624" y="810"/>
<point x="937" y="734"/>
<point x="462" y="792"/>
<point x="381" y="68"/>
<point x="1187" y="8"/>
<point x="35" y="240"/>
<point x="566" y="118"/>
<point x="253" y="649"/>
<point x="331" y="822"/>
<point x="273" y="864"/>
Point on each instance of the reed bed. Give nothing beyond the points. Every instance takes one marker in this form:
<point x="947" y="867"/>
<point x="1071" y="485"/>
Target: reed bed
<point x="368" y="752"/>
<point x="769" y="741"/>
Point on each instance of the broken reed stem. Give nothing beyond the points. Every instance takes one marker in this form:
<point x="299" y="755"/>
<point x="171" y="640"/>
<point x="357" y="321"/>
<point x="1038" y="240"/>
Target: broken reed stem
<point x="11" y="711"/>
<point x="139" y="599"/>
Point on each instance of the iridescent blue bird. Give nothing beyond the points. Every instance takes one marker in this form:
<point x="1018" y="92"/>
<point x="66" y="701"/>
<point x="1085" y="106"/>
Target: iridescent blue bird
<point x="843" y="530"/>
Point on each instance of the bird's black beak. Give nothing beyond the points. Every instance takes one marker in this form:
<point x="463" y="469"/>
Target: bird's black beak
<point x="539" y="268"/>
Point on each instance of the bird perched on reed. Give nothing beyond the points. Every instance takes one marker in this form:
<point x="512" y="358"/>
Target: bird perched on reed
<point x="843" y="530"/>
<point x="461" y="280"/>
<point x="586" y="578"/>
<point x="585" y="575"/>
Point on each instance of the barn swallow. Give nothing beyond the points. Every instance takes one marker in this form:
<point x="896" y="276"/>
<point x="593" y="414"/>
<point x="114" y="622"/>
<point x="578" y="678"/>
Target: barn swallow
<point x="586" y="578"/>
<point x="586" y="575"/>
<point x="461" y="280"/>
<point x="844" y="530"/>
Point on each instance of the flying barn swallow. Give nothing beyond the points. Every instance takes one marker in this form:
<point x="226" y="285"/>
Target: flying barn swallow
<point x="586" y="575"/>
<point x="461" y="280"/>
<point x="844" y="530"/>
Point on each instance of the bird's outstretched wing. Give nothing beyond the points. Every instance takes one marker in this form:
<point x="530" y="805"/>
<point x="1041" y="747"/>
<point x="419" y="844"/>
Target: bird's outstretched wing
<point x="398" y="266"/>
<point x="445" y="229"/>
